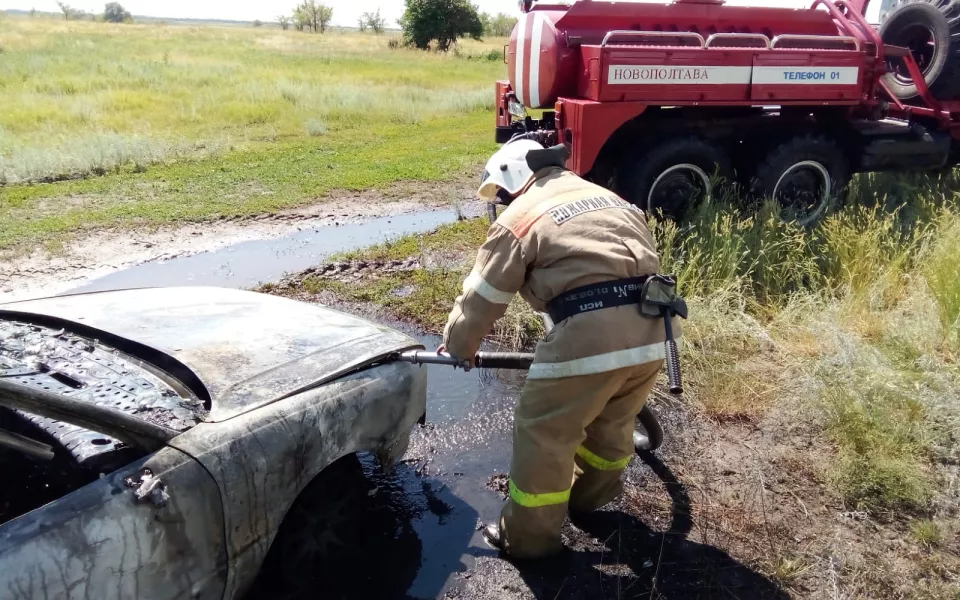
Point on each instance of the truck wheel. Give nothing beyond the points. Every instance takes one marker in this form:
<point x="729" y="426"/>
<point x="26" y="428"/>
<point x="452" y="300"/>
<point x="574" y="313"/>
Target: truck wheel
<point x="930" y="29"/>
<point x="673" y="177"/>
<point x="804" y="176"/>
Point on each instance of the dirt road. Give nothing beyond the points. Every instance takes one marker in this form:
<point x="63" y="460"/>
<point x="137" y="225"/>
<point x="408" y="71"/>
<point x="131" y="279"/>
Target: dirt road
<point x="103" y="252"/>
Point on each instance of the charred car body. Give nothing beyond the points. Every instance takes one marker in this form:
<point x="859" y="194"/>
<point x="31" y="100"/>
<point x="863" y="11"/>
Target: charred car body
<point x="152" y="441"/>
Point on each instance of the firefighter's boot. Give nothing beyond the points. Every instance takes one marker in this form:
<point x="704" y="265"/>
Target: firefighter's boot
<point x="493" y="537"/>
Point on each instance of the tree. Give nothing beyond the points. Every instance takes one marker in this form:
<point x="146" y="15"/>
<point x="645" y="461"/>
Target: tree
<point x="72" y="14"/>
<point x="374" y="21"/>
<point x="362" y="23"/>
<point x="114" y="13"/>
<point x="500" y="25"/>
<point x="257" y="23"/>
<point x="439" y="21"/>
<point x="324" y="16"/>
<point x="300" y="20"/>
<point x="312" y="15"/>
<point x="284" y="22"/>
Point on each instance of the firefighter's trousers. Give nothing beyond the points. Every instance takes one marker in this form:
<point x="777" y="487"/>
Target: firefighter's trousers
<point x="572" y="438"/>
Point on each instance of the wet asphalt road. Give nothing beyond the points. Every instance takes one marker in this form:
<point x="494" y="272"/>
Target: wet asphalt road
<point x="438" y="493"/>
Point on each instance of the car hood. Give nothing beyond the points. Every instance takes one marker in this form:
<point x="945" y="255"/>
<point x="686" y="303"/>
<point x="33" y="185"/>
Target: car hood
<point x="247" y="348"/>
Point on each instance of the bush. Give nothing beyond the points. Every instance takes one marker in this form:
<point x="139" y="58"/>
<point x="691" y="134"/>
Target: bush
<point x="316" y="127"/>
<point x="495" y="55"/>
<point x="114" y="13"/>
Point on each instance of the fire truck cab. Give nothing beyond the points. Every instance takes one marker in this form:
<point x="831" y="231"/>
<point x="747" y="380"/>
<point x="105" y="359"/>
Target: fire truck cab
<point x="664" y="102"/>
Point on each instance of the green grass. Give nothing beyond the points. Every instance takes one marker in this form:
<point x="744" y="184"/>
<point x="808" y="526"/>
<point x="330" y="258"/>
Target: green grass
<point x="927" y="532"/>
<point x="155" y="124"/>
<point x="262" y="178"/>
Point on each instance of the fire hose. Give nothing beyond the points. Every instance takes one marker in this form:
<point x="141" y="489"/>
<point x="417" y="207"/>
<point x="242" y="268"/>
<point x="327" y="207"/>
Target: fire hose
<point x="645" y="442"/>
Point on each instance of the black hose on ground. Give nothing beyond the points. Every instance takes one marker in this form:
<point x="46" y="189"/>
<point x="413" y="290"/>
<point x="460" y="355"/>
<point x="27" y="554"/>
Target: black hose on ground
<point x="654" y="437"/>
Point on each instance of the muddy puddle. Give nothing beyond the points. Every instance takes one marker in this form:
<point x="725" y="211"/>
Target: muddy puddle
<point x="465" y="442"/>
<point x="247" y="264"/>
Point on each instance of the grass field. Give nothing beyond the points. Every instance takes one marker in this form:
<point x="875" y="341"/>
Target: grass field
<point x="107" y="124"/>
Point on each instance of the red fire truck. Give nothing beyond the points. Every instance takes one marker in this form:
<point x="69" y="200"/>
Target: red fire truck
<point x="662" y="102"/>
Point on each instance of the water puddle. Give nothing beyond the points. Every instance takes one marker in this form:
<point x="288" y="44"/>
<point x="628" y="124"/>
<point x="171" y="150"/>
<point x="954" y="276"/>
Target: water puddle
<point x="467" y="440"/>
<point x="248" y="264"/>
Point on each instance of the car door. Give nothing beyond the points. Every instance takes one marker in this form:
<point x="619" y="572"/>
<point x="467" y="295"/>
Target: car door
<point x="103" y="541"/>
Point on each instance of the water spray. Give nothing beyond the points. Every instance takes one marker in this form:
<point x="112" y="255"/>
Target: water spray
<point x="644" y="442"/>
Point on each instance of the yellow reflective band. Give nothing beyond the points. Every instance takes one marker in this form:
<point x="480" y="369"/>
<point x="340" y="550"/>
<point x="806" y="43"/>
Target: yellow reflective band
<point x="535" y="500"/>
<point x="602" y="464"/>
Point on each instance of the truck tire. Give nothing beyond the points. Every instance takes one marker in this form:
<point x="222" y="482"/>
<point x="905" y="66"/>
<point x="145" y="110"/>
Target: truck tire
<point x="805" y="175"/>
<point x="674" y="176"/>
<point x="931" y="30"/>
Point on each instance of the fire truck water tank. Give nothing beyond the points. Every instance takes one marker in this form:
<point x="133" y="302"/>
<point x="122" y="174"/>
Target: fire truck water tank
<point x="540" y="64"/>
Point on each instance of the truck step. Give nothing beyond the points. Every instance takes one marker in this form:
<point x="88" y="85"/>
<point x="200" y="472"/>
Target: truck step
<point x="892" y="145"/>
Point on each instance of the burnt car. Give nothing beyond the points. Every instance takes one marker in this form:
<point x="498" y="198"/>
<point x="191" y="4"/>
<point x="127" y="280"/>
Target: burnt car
<point x="153" y="441"/>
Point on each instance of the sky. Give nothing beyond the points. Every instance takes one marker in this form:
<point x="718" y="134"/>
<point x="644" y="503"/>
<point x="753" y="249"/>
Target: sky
<point x="345" y="12"/>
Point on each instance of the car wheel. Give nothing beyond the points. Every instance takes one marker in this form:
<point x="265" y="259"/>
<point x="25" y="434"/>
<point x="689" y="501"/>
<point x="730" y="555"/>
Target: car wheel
<point x="346" y="536"/>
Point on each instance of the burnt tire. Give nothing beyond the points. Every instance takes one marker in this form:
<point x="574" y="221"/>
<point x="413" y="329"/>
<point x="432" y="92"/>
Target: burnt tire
<point x="930" y="29"/>
<point x="342" y="538"/>
<point x="806" y="177"/>
<point x="674" y="176"/>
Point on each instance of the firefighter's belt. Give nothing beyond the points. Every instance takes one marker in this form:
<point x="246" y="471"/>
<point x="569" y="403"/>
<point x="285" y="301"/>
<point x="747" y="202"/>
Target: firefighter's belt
<point x="588" y="298"/>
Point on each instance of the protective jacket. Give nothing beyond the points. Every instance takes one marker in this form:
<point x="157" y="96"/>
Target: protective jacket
<point x="593" y="371"/>
<point x="563" y="233"/>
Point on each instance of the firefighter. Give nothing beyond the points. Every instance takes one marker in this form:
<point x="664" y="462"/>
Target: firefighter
<point x="577" y="251"/>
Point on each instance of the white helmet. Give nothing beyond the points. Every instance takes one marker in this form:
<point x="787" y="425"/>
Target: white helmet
<point x="507" y="169"/>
